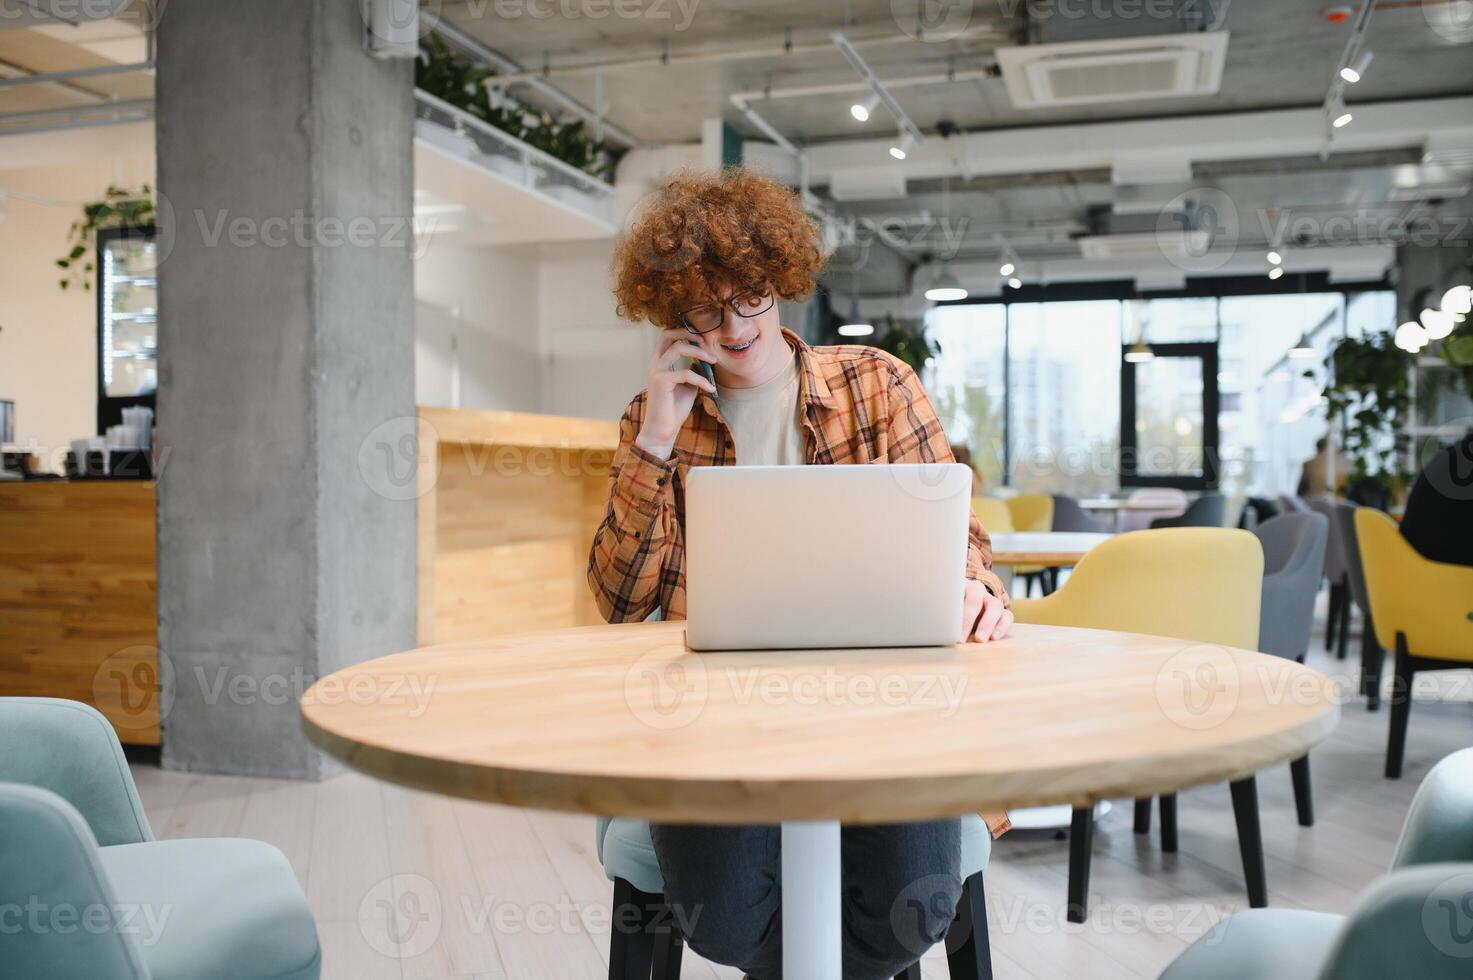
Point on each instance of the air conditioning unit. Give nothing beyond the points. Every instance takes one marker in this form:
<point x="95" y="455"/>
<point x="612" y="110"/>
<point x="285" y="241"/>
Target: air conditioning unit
<point x="1117" y="70"/>
<point x="1168" y="244"/>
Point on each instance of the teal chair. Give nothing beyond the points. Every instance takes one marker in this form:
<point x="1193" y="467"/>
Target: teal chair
<point x="1415" y="922"/>
<point x="100" y="897"/>
<point x="645" y="943"/>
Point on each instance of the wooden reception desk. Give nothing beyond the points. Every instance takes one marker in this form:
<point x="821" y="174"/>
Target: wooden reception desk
<point x="78" y="598"/>
<point x="507" y="508"/>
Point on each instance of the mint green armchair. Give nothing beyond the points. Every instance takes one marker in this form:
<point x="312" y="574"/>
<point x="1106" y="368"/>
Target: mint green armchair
<point x="1415" y="922"/>
<point x="85" y="890"/>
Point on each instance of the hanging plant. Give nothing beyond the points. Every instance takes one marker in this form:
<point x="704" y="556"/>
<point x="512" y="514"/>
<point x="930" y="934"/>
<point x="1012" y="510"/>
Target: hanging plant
<point x="453" y="78"/>
<point x="1369" y="388"/>
<point x="119" y="208"/>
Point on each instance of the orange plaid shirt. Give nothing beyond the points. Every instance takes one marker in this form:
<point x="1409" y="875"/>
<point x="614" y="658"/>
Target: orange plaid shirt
<point x="858" y="405"/>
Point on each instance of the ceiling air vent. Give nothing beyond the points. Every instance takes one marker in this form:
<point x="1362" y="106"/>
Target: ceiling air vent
<point x="1083" y="72"/>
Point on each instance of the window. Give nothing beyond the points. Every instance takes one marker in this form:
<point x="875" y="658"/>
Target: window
<point x="966" y="384"/>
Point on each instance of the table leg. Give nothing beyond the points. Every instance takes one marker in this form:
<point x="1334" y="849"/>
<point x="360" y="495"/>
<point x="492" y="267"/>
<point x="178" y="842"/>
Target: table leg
<point x="812" y="924"/>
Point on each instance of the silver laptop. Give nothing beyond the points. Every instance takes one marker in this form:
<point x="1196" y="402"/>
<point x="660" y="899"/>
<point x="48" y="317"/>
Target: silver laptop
<point x="795" y="557"/>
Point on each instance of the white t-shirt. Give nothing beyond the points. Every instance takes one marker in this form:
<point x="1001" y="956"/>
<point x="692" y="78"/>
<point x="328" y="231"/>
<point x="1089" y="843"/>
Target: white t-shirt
<point x="764" y="420"/>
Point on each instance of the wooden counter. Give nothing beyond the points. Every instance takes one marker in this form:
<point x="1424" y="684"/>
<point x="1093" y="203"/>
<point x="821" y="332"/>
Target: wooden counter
<point x="507" y="509"/>
<point x="78" y="598"/>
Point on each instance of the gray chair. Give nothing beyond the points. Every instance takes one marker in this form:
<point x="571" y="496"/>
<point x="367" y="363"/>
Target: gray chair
<point x="1069" y="516"/>
<point x="1208" y="510"/>
<point x="1293" y="554"/>
<point x="1371" y="655"/>
<point x="1412" y="923"/>
<point x="1291" y="502"/>
<point x="1337" y="623"/>
<point x="74" y="839"/>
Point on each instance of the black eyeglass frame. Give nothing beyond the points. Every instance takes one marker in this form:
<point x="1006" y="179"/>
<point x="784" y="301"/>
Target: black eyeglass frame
<point x="729" y="304"/>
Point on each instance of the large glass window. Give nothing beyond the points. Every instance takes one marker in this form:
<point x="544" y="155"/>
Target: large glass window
<point x="967" y="384"/>
<point x="1056" y="404"/>
<point x="1064" y="393"/>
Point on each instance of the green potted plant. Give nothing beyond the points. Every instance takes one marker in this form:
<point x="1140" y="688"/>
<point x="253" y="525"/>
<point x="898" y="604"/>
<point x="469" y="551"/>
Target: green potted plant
<point x="119" y="208"/>
<point x="1369" y="390"/>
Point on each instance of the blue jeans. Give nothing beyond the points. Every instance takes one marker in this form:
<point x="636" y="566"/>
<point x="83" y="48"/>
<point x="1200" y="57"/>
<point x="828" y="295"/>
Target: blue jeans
<point x="900" y="882"/>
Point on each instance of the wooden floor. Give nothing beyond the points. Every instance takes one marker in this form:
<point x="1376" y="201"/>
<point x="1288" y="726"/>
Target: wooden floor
<point x="406" y="885"/>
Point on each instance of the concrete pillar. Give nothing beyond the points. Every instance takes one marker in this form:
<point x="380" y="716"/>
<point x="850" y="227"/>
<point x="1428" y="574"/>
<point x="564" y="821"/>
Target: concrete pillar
<point x="286" y="362"/>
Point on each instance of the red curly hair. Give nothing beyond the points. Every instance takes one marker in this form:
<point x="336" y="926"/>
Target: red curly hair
<point x="702" y="233"/>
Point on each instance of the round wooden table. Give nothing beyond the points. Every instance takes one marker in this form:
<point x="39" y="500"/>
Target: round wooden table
<point x="626" y="721"/>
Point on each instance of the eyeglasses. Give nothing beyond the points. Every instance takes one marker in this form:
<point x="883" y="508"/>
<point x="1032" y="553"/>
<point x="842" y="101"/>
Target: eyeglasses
<point x="704" y="319"/>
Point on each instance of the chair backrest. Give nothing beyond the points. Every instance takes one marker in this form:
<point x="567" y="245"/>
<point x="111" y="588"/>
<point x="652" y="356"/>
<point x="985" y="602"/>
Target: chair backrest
<point x="1439" y="823"/>
<point x="1428" y="602"/>
<point x="1344" y="522"/>
<point x="1293" y="555"/>
<point x="1192" y="583"/>
<point x="1208" y="510"/>
<point x="1292" y="502"/>
<point x="1069" y="516"/>
<point x="1165" y="496"/>
<point x="1334" y="547"/>
<point x="49" y="861"/>
<point x="1032" y="512"/>
<point x="69" y="748"/>
<point x="1412" y="923"/>
<point x="992" y="514"/>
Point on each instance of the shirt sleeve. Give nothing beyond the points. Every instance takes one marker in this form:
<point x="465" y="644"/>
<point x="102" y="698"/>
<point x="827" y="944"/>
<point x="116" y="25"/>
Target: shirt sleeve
<point x="916" y="436"/>
<point x="638" y="529"/>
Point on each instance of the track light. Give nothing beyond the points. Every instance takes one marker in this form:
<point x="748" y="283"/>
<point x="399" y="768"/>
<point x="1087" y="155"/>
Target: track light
<point x="1339" y="115"/>
<point x="1015" y="283"/>
<point x="1410" y="337"/>
<point x="861" y="111"/>
<point x="1356" y="70"/>
<point x="1274" y="258"/>
<point x="902" y="149"/>
<point x="1276" y="272"/>
<point x="1006" y="269"/>
<point x="946" y="287"/>
<point x="1437" y="323"/>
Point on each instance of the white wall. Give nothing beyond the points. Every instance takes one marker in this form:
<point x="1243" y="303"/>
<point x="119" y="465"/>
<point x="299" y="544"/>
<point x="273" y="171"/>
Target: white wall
<point x="477" y="336"/>
<point x="48" y="337"/>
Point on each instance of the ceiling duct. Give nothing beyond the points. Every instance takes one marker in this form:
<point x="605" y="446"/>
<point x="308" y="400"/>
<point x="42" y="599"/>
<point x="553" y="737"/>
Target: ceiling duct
<point x="1114" y="70"/>
<point x="1149" y="235"/>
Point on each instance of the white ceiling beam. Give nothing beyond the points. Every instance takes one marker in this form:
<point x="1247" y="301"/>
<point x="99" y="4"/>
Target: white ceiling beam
<point x="1220" y="137"/>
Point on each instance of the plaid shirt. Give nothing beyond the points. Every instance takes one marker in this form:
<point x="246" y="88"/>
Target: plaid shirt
<point x="859" y="405"/>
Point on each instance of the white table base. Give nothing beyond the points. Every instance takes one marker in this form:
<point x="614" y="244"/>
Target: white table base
<point x="811" y="889"/>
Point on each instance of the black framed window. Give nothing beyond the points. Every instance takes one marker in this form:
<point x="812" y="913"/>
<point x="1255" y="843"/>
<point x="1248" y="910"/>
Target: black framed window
<point x="1168" y="418"/>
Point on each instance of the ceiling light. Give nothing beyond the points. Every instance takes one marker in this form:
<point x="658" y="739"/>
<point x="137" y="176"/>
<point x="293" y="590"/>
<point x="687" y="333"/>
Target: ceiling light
<point x="946" y="287"/>
<point x="902" y="149"/>
<point x="1015" y="283"/>
<point x="1437" y="323"/>
<point x="1458" y="301"/>
<point x="1339" y="114"/>
<point x="1275" y="258"/>
<point x="856" y="329"/>
<point x="1276" y="272"/>
<point x="861" y="110"/>
<point x="1302" y="349"/>
<point x="1354" y="71"/>
<point x="1006" y="269"/>
<point x="1140" y="352"/>
<point x="1410" y="337"/>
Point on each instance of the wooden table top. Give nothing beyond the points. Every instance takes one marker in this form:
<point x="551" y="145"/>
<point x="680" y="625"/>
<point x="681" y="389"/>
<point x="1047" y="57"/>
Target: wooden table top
<point x="626" y="721"/>
<point x="1043" y="547"/>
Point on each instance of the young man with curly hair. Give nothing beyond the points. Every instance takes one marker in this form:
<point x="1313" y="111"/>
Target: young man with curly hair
<point x="707" y="260"/>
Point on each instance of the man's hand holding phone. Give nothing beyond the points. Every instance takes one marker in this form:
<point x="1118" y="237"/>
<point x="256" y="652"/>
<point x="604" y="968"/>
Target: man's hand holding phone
<point x="672" y="390"/>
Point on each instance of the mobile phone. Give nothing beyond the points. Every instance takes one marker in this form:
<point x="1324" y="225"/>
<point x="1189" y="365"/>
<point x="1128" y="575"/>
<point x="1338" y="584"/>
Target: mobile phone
<point x="704" y="370"/>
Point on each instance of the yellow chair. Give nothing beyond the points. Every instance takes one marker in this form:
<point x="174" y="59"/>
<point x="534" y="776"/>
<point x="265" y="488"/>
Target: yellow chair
<point x="993" y="514"/>
<point x="1416" y="604"/>
<point x="1199" y="584"/>
<point x="1031" y="511"/>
